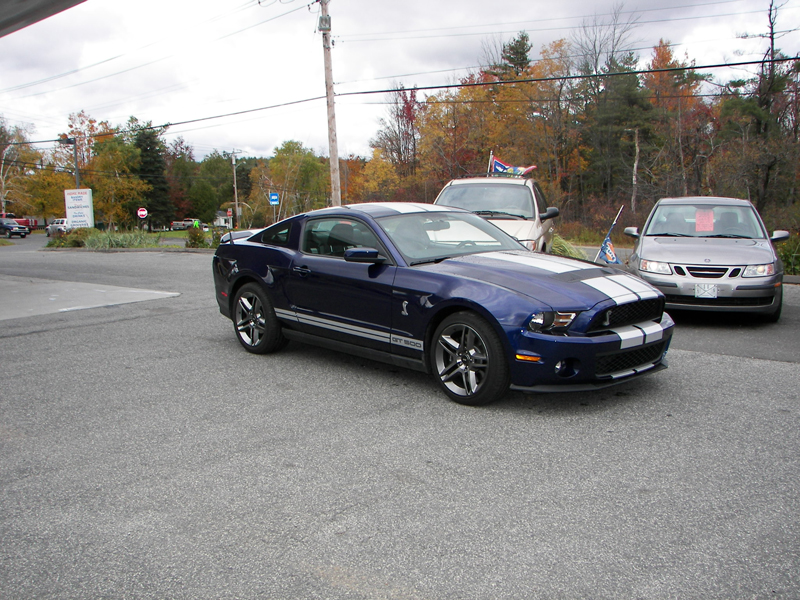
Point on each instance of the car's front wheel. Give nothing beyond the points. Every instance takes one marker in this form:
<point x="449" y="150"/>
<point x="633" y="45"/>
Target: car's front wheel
<point x="254" y="320"/>
<point x="468" y="360"/>
<point x="775" y="315"/>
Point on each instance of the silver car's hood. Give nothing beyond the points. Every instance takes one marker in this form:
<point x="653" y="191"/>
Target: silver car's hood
<point x="706" y="251"/>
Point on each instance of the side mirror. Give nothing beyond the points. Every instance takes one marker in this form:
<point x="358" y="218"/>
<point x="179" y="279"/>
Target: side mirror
<point x="551" y="213"/>
<point x="632" y="231"/>
<point x="364" y="255"/>
<point x="779" y="235"/>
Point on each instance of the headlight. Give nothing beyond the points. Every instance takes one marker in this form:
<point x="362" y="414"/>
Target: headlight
<point x="548" y="321"/>
<point x="652" y="266"/>
<point x="759" y="270"/>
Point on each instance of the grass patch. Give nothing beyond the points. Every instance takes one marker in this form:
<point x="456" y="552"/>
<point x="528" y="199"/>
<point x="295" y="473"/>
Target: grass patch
<point x="562" y="247"/>
<point x="5" y="243"/>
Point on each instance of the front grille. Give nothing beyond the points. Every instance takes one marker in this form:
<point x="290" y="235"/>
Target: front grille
<point x="692" y="301"/>
<point x="707" y="272"/>
<point x="628" y="314"/>
<point x="625" y="360"/>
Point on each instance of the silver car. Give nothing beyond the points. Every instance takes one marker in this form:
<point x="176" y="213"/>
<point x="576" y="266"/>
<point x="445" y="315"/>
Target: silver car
<point x="514" y="204"/>
<point x="56" y="226"/>
<point x="707" y="253"/>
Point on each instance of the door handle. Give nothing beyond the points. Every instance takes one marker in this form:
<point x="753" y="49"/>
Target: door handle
<point x="302" y="271"/>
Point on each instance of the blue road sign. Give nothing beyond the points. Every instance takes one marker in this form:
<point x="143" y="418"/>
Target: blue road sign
<point x="274" y="198"/>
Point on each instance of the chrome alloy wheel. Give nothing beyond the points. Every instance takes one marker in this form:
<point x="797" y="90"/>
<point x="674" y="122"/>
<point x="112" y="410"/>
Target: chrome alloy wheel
<point x="249" y="319"/>
<point x="462" y="361"/>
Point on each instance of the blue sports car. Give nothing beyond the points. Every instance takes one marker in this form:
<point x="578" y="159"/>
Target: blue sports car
<point x="439" y="290"/>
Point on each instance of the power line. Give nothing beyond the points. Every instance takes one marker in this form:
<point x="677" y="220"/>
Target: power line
<point x="445" y="87"/>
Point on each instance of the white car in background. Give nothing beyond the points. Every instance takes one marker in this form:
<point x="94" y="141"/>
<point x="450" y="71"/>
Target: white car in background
<point x="56" y="226"/>
<point x="514" y="204"/>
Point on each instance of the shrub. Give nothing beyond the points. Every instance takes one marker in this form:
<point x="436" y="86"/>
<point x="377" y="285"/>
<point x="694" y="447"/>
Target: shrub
<point x="789" y="251"/>
<point x="102" y="240"/>
<point x="74" y="239"/>
<point x="196" y="238"/>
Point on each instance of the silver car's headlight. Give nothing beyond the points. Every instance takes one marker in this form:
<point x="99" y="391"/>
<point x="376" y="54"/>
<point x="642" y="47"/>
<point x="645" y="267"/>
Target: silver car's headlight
<point x="759" y="270"/>
<point x="653" y="266"/>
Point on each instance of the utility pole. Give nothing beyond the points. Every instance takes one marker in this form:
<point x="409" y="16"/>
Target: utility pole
<point x="71" y="141"/>
<point x="325" y="29"/>
<point x="235" y="189"/>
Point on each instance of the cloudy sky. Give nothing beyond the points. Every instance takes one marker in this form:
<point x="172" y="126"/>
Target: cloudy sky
<point x="171" y="61"/>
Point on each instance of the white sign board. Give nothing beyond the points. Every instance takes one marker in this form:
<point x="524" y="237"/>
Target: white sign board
<point x="80" y="211"/>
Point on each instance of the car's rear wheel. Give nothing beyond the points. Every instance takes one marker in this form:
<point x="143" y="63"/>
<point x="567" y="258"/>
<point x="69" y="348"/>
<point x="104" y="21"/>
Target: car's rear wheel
<point x="468" y="360"/>
<point x="8" y="234"/>
<point x="254" y="320"/>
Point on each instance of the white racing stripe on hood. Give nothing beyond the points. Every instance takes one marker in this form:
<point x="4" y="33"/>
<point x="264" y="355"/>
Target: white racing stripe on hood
<point x="545" y="264"/>
<point x="618" y="293"/>
<point x="644" y="290"/>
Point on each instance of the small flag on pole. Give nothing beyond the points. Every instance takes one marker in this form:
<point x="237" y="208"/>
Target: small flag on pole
<point x="498" y="166"/>
<point x="607" y="252"/>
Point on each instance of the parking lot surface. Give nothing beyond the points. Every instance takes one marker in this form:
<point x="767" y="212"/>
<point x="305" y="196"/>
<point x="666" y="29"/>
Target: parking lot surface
<point x="144" y="454"/>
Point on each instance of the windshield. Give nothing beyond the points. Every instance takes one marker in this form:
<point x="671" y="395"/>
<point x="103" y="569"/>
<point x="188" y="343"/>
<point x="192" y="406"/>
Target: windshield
<point x="429" y="237"/>
<point x="515" y="200"/>
<point x="8" y="221"/>
<point x="705" y="220"/>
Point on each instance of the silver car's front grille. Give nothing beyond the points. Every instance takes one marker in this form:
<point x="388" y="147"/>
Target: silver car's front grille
<point x="707" y="272"/>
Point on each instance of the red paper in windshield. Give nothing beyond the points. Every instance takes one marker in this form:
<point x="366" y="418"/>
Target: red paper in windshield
<point x="704" y="220"/>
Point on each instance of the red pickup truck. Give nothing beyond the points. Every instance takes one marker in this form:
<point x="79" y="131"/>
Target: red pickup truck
<point x="27" y="222"/>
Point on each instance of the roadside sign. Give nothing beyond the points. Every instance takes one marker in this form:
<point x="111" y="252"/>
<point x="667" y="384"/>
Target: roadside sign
<point x="274" y="198"/>
<point x="142" y="213"/>
<point x="230" y="212"/>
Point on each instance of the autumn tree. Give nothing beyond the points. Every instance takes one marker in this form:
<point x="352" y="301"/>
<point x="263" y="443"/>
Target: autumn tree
<point x="181" y="173"/>
<point x="398" y="134"/>
<point x="152" y="170"/>
<point x="17" y="161"/>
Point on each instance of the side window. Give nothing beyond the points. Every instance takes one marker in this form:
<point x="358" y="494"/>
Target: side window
<point x="331" y="237"/>
<point x="541" y="203"/>
<point x="277" y="235"/>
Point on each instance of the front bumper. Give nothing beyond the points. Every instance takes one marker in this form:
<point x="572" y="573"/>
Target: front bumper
<point x="730" y="294"/>
<point x="573" y="363"/>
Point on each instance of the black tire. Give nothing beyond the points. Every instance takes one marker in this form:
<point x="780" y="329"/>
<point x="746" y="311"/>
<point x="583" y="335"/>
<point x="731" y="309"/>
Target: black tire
<point x="468" y="360"/>
<point x="254" y="321"/>
<point x="8" y="234"/>
<point x="775" y="315"/>
<point x="47" y="231"/>
<point x="23" y="236"/>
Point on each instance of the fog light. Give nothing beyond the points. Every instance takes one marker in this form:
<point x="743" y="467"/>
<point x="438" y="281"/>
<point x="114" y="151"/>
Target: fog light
<point x="568" y="367"/>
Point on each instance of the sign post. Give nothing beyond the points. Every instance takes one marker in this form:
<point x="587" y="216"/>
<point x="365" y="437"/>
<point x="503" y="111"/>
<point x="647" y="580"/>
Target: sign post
<point x="274" y="200"/>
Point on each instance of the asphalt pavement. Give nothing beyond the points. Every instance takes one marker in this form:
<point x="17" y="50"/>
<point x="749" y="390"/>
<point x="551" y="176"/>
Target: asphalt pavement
<point x="144" y="454"/>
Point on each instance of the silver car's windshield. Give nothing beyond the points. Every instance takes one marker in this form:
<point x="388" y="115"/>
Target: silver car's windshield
<point x="705" y="220"/>
<point x="429" y="237"/>
<point x="513" y="200"/>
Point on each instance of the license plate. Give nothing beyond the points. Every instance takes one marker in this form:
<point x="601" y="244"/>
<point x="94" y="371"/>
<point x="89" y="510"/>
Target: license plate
<point x="705" y="290"/>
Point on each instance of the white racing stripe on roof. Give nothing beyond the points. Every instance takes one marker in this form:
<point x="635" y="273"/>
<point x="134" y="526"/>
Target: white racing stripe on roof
<point x="618" y="293"/>
<point x="412" y="207"/>
<point x="544" y="264"/>
<point x="645" y="291"/>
